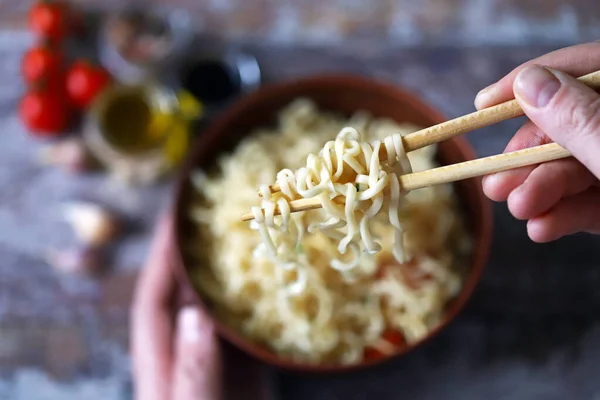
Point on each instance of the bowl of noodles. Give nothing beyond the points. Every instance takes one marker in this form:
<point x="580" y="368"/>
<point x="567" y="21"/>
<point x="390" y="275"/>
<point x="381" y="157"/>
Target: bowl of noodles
<point x="326" y="308"/>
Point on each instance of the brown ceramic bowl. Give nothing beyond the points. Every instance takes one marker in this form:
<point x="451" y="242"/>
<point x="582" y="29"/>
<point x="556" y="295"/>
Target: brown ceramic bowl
<point x="345" y="94"/>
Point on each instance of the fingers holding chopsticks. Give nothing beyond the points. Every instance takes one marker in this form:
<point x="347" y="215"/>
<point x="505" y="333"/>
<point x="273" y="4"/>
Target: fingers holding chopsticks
<point x="546" y="186"/>
<point x="499" y="186"/>
<point x="579" y="213"/>
<point x="563" y="110"/>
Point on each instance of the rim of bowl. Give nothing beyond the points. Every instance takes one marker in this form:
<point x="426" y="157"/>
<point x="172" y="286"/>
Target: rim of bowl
<point x="189" y="294"/>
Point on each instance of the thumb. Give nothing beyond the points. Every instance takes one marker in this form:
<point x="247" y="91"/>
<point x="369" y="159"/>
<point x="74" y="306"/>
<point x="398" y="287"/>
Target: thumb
<point x="197" y="370"/>
<point x="565" y="109"/>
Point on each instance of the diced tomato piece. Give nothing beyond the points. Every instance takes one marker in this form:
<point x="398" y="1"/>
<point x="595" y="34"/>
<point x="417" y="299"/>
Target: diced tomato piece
<point x="384" y="262"/>
<point x="371" y="354"/>
<point x="387" y="262"/>
<point x="394" y="337"/>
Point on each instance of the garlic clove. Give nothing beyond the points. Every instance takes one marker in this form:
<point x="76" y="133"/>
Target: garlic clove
<point x="93" y="225"/>
<point x="77" y="261"/>
<point x="70" y="154"/>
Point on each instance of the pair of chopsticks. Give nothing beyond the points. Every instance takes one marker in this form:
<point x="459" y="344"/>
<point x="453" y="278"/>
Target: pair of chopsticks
<point x="467" y="169"/>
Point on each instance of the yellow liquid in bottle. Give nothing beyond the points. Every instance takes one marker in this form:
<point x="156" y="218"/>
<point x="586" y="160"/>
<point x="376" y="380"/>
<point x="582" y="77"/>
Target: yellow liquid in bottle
<point x="127" y="121"/>
<point x="133" y="123"/>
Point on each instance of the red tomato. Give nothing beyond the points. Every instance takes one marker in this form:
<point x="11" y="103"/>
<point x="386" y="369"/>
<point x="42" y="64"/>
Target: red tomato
<point x="41" y="63"/>
<point x="84" y="82"/>
<point x="44" y="112"/>
<point x="48" y="19"/>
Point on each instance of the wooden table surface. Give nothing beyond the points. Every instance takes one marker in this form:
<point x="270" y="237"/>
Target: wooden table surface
<point x="530" y="332"/>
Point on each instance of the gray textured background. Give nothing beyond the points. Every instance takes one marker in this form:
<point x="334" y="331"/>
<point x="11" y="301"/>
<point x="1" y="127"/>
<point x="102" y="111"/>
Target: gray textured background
<point x="382" y="23"/>
<point x="530" y="332"/>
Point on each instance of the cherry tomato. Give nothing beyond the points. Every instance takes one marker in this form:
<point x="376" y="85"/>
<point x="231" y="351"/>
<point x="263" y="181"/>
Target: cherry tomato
<point x="41" y="62"/>
<point x="44" y="112"/>
<point x="48" y="19"/>
<point x="84" y="82"/>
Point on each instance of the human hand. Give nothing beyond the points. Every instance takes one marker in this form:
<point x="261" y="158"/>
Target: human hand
<point x="561" y="197"/>
<point x="182" y="362"/>
<point x="176" y="354"/>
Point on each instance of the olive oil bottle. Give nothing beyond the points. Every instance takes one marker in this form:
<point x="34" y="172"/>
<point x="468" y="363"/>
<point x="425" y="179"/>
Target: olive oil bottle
<point x="139" y="132"/>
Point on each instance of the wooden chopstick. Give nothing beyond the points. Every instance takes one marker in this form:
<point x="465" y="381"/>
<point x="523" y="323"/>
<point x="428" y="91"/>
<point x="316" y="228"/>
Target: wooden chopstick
<point x="456" y="172"/>
<point x="467" y="123"/>
<point x="467" y="169"/>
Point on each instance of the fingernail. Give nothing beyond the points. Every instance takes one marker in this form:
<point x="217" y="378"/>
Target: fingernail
<point x="485" y="97"/>
<point x="536" y="86"/>
<point x="189" y="321"/>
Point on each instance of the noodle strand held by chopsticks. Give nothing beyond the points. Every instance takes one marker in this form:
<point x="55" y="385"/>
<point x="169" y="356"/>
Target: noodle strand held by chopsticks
<point x="356" y="201"/>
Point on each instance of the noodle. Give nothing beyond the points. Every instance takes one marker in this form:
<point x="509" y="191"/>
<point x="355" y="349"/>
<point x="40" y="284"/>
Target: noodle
<point x="362" y="199"/>
<point x="323" y="286"/>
